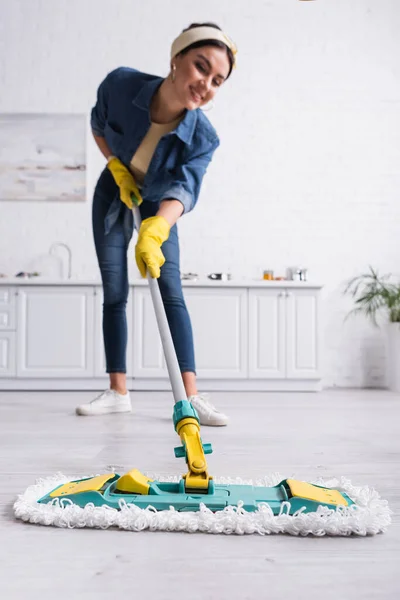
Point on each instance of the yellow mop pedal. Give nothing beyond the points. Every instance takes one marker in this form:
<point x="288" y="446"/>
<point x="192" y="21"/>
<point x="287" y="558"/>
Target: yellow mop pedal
<point x="308" y="491"/>
<point x="134" y="482"/>
<point x="92" y="484"/>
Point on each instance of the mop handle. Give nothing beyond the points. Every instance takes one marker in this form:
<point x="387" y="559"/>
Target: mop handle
<point x="174" y="371"/>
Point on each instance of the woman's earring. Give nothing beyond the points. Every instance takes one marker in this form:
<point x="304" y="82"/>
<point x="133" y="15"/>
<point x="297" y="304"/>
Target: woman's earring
<point x="208" y="106"/>
<point x="173" y="72"/>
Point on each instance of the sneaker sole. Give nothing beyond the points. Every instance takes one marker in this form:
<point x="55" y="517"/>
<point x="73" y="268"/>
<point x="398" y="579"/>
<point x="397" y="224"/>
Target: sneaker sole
<point x="214" y="424"/>
<point x="81" y="412"/>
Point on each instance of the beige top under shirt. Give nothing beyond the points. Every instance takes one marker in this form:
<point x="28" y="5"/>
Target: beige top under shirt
<point x="143" y="155"/>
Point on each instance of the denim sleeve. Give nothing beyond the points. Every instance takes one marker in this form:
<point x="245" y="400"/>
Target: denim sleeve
<point x="186" y="183"/>
<point x="100" y="110"/>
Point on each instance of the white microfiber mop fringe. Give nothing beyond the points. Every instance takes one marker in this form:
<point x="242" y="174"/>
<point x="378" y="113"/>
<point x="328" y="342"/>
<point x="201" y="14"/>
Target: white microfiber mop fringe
<point x="370" y="514"/>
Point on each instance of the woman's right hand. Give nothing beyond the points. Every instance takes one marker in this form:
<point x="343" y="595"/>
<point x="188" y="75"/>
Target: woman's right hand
<point x="129" y="192"/>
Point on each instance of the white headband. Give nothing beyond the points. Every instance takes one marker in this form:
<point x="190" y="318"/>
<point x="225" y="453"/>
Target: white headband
<point x="198" y="34"/>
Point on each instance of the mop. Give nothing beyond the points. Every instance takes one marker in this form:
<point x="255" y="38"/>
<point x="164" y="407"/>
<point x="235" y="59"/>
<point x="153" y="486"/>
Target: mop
<point x="197" y="502"/>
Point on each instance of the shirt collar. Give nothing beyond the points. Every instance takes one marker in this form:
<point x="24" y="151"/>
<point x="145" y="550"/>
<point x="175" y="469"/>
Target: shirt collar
<point x="186" y="127"/>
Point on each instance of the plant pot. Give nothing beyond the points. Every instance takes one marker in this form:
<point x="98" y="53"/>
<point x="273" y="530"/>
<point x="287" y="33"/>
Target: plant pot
<point x="393" y="358"/>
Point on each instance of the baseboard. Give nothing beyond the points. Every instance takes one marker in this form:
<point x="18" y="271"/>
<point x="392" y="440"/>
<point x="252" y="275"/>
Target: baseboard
<point x="206" y="385"/>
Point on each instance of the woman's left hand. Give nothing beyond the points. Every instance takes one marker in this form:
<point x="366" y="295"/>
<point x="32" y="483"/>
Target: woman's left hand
<point x="149" y="257"/>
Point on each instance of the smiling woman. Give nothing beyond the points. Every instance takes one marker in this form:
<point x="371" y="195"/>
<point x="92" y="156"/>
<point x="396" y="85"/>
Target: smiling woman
<point x="158" y="145"/>
<point x="202" y="58"/>
<point x="207" y="62"/>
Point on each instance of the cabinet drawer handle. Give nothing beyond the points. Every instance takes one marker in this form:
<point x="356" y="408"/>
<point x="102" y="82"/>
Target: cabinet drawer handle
<point x="3" y="318"/>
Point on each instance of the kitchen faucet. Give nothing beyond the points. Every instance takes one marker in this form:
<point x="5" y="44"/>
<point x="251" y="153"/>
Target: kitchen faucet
<point x="62" y="244"/>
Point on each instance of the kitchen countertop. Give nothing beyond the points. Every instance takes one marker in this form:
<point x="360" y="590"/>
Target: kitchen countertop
<point x="201" y="282"/>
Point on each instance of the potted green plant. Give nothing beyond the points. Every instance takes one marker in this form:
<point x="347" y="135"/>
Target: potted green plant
<point x="375" y="294"/>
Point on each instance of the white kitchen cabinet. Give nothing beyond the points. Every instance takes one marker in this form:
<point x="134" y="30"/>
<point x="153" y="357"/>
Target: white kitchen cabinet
<point x="302" y="334"/>
<point x="55" y="332"/>
<point x="267" y="325"/>
<point x="219" y="329"/>
<point x="99" y="354"/>
<point x="218" y="319"/>
<point x="7" y="309"/>
<point x="260" y="336"/>
<point x="7" y="354"/>
<point x="7" y="332"/>
<point x="148" y="357"/>
<point x="284" y="334"/>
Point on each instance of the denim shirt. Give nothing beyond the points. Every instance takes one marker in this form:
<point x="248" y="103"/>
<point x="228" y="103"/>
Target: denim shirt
<point x="122" y="116"/>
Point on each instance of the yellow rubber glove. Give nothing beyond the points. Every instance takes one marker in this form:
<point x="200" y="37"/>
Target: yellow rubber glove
<point x="129" y="191"/>
<point x="152" y="233"/>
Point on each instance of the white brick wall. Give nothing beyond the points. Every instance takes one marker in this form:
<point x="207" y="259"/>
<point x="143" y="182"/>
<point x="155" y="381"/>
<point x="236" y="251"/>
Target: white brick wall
<point x="308" y="169"/>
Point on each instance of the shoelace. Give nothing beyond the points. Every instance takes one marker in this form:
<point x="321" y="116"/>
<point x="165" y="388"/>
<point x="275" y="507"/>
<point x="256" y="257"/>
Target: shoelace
<point x="99" y="397"/>
<point x="203" y="398"/>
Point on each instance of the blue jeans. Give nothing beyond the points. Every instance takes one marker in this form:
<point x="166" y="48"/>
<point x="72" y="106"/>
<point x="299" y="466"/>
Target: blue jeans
<point x="111" y="250"/>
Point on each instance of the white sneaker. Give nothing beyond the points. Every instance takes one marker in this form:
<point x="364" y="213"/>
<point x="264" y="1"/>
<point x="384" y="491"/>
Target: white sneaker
<point x="208" y="414"/>
<point x="108" y="402"/>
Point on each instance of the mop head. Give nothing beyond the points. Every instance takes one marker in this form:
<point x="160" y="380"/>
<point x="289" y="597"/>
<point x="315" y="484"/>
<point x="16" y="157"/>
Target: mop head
<point x="368" y="515"/>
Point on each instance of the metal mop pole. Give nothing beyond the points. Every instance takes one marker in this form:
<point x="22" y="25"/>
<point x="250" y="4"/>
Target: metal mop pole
<point x="174" y="372"/>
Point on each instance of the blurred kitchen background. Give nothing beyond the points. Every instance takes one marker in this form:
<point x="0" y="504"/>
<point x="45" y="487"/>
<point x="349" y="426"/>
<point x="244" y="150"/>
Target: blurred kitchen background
<point x="308" y="171"/>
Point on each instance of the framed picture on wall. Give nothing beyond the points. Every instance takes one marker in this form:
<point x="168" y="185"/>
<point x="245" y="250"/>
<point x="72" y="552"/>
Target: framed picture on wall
<point x="43" y="157"/>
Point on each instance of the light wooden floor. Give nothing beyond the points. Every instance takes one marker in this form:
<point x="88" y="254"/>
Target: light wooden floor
<point x="352" y="433"/>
